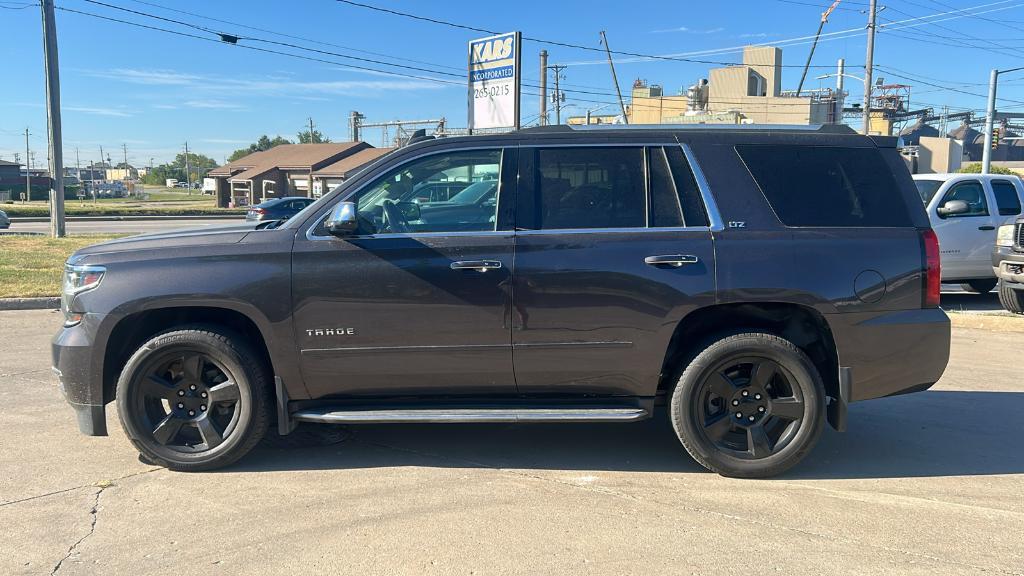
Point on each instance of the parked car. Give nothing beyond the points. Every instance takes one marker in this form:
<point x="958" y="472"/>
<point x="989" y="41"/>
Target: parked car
<point x="966" y="210"/>
<point x="1008" y="265"/>
<point x="277" y="208"/>
<point x="750" y="281"/>
<point x="5" y="222"/>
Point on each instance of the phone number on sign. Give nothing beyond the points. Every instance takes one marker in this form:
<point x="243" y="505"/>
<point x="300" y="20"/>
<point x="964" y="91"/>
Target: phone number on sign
<point x="492" y="91"/>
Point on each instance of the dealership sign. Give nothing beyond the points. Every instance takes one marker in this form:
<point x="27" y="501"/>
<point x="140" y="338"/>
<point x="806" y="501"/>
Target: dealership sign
<point x="494" y="76"/>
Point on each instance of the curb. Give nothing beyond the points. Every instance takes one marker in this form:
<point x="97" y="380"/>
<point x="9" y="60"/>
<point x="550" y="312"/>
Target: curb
<point x="15" y="219"/>
<point x="992" y="322"/>
<point x="43" y="303"/>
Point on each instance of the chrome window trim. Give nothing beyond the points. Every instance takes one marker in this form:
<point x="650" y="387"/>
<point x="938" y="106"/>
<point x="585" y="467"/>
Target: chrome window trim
<point x="633" y="230"/>
<point x="710" y="206"/>
<point x="699" y="127"/>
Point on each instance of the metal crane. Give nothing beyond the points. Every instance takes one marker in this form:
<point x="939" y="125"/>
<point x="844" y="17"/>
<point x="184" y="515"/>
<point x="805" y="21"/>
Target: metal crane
<point x="824" y="19"/>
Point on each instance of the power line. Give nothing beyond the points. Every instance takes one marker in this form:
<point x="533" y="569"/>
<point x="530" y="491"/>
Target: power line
<point x="549" y="41"/>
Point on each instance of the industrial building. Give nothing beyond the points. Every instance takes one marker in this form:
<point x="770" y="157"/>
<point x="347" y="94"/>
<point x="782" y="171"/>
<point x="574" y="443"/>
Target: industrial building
<point x="750" y="93"/>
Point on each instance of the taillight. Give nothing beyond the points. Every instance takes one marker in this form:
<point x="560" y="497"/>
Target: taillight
<point x="259" y="211"/>
<point x="933" y="269"/>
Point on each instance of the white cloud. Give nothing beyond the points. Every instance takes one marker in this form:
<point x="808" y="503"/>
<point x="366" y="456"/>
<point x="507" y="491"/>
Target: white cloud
<point x="275" y="84"/>
<point x="690" y="30"/>
<point x="212" y="104"/>
<point x="97" y="111"/>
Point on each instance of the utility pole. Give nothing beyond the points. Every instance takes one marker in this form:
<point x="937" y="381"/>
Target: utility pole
<point x="188" y="171"/>
<point x="78" y="173"/>
<point x="543" y="87"/>
<point x="840" y="96"/>
<point x="57" y="229"/>
<point x="557" y="96"/>
<point x="615" y="79"/>
<point x="124" y="148"/>
<point x="310" y="129"/>
<point x="101" y="162"/>
<point x="869" y="64"/>
<point x="28" y="169"/>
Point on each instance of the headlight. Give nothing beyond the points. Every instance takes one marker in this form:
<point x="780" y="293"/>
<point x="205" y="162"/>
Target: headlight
<point x="78" y="279"/>
<point x="1005" y="235"/>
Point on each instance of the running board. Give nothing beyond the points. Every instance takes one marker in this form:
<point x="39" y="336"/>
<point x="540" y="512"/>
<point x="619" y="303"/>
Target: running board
<point x="468" y="415"/>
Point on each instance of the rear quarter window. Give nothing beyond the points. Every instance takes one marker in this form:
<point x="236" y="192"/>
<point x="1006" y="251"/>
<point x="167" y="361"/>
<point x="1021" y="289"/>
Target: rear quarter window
<point x="827" y="186"/>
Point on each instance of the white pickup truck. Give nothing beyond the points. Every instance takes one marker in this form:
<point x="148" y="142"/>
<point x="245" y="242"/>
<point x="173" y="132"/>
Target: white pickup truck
<point x="966" y="211"/>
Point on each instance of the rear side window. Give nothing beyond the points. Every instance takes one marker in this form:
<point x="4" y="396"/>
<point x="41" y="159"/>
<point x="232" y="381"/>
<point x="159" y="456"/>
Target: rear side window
<point x="589" y="188"/>
<point x="927" y="189"/>
<point x="827" y="186"/>
<point x="1006" y="197"/>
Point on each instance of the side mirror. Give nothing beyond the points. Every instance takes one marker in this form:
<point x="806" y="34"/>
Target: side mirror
<point x="343" y="220"/>
<point x="953" y="208"/>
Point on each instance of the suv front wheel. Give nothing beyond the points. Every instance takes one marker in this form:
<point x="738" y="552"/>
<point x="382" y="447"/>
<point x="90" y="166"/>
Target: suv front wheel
<point x="750" y="405"/>
<point x="194" y="398"/>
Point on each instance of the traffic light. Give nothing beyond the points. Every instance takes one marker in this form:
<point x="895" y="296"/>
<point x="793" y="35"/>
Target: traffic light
<point x="995" y="138"/>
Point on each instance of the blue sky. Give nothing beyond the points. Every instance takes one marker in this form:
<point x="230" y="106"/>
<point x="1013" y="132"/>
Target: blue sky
<point x="153" y="91"/>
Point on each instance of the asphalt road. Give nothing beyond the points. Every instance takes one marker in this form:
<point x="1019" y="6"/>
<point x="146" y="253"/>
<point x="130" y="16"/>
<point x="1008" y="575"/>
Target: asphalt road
<point x="123" y="226"/>
<point x="926" y="483"/>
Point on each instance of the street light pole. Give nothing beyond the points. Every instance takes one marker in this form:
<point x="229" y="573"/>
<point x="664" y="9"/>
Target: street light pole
<point x="990" y="118"/>
<point x="869" y="64"/>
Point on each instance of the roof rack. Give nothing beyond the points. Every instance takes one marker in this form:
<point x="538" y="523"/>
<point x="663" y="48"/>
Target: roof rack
<point x="562" y="128"/>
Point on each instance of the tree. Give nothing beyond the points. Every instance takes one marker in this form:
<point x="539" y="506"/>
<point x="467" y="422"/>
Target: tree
<point x="317" y="137"/>
<point x="264" y="143"/>
<point x="198" y="165"/>
<point x="975" y="168"/>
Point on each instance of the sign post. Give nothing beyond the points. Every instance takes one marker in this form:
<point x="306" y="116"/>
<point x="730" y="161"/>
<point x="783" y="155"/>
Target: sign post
<point x="494" y="81"/>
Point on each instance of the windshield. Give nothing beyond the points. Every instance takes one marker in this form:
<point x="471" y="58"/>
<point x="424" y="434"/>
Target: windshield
<point x="474" y="192"/>
<point x="927" y="189"/>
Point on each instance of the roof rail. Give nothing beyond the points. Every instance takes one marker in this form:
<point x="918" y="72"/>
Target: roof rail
<point x="830" y="128"/>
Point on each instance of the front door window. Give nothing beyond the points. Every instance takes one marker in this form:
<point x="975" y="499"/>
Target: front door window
<point x="449" y="192"/>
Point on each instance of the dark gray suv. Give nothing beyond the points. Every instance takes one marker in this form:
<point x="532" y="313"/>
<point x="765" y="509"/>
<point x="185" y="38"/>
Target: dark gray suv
<point x="751" y="280"/>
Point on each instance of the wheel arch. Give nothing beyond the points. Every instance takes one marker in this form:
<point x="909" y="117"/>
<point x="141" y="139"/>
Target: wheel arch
<point x="133" y="329"/>
<point x="802" y="325"/>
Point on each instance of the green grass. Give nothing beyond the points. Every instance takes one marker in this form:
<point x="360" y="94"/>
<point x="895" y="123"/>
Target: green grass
<point x="33" y="265"/>
<point x="126" y="208"/>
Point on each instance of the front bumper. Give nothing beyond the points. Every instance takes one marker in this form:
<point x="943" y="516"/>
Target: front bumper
<point x="78" y="364"/>
<point x="891" y="353"/>
<point x="1009" y="267"/>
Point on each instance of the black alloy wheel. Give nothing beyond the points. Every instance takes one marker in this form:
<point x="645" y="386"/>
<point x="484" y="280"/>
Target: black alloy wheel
<point x="195" y="398"/>
<point x="187" y="401"/>
<point x="749" y="405"/>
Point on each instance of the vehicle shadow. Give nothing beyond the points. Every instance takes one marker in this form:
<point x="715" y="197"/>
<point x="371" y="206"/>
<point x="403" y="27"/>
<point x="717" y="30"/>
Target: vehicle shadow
<point x="959" y="301"/>
<point x="934" y="433"/>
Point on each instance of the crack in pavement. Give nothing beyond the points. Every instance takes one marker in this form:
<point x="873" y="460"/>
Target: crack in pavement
<point x="94" y="513"/>
<point x="695" y="509"/>
<point x="73" y="488"/>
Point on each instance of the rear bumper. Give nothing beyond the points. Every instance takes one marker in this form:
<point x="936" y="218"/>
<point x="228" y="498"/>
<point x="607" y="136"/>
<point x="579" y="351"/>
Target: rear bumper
<point x="78" y="364"/>
<point x="891" y="353"/>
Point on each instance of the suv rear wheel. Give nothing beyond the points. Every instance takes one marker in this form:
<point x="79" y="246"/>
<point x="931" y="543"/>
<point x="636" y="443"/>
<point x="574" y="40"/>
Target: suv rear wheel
<point x="193" y="399"/>
<point x="1012" y="300"/>
<point x="750" y="405"/>
<point x="979" y="286"/>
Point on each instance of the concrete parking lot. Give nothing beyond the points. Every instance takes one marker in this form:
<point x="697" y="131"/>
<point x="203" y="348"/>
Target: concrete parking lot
<point x="927" y="483"/>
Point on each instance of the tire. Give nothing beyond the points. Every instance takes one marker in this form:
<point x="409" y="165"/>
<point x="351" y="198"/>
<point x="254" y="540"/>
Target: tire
<point x="979" y="286"/>
<point x="1012" y="300"/>
<point x="194" y="398"/>
<point x="749" y="405"/>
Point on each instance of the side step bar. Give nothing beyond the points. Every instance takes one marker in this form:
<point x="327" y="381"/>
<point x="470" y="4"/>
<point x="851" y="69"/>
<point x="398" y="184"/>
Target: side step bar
<point x="343" y="415"/>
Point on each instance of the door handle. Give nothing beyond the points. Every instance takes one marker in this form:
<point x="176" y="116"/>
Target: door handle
<point x="674" y="260"/>
<point x="986" y="228"/>
<point x="478" y="265"/>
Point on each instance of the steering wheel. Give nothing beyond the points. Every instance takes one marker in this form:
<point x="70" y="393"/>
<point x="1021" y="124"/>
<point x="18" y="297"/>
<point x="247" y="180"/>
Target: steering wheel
<point x="393" y="217"/>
